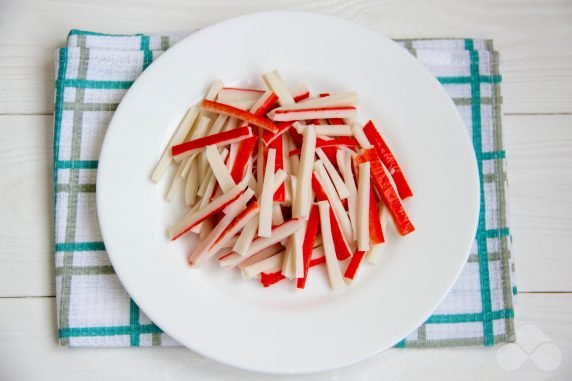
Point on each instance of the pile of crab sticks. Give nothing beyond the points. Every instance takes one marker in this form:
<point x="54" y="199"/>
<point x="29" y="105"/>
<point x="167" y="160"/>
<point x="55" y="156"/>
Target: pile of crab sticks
<point x="278" y="181"/>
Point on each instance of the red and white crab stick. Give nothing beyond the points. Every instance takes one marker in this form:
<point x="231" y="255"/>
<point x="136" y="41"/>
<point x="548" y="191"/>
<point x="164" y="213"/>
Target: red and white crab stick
<point x="334" y="272"/>
<point x="184" y="150"/>
<point x="234" y="112"/>
<point x="204" y="250"/>
<point x="312" y="113"/>
<point x="283" y="196"/>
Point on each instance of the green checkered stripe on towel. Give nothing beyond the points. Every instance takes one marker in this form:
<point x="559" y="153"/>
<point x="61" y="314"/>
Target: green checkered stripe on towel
<point x="93" y="73"/>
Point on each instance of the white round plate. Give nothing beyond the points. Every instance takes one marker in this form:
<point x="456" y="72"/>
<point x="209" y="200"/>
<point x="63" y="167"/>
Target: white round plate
<point x="281" y="329"/>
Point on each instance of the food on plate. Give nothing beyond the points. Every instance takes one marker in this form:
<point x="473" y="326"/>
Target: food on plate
<point x="278" y="181"/>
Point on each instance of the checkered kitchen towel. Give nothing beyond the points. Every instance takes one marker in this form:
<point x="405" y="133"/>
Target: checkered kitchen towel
<point x="93" y="73"/>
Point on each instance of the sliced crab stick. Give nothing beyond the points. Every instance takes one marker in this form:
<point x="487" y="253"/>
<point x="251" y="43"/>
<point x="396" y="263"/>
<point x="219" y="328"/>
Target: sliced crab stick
<point x="221" y="108"/>
<point x="388" y="159"/>
<point x="387" y="192"/>
<point x="186" y="149"/>
<point x="334" y="272"/>
<point x="310" y="113"/>
<point x="363" y="207"/>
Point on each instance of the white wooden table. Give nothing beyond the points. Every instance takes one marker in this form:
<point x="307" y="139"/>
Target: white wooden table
<point x="534" y="39"/>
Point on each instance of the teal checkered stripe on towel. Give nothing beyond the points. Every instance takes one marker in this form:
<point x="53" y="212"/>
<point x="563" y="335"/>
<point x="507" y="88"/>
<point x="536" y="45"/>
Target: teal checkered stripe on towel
<point x="93" y="73"/>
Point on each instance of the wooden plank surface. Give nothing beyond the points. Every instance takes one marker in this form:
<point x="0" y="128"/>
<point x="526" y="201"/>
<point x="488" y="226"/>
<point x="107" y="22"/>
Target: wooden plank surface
<point x="540" y="184"/>
<point x="26" y="217"/>
<point x="28" y="351"/>
<point x="533" y="37"/>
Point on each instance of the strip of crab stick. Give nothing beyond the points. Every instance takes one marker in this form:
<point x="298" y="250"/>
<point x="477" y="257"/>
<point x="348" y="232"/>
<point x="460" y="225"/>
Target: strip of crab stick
<point x="186" y="149"/>
<point x="337" y="142"/>
<point x="261" y="255"/>
<point x="363" y="203"/>
<point x="294" y="160"/>
<point x="388" y="159"/>
<point x="236" y="94"/>
<point x="354" y="264"/>
<point x="195" y="217"/>
<point x="235" y="112"/>
<point x="269" y="137"/>
<point x="250" y="271"/>
<point x="297" y="253"/>
<point x="289" y="261"/>
<point x="339" y="184"/>
<point x="192" y="186"/>
<point x="334" y="272"/>
<point x="360" y="136"/>
<point x="334" y="100"/>
<point x="280" y="194"/>
<point x="187" y="163"/>
<point x="175" y="182"/>
<point x="219" y="169"/>
<point x="310" y="113"/>
<point x="334" y="200"/>
<point x="206" y="227"/>
<point x="293" y="180"/>
<point x="375" y="228"/>
<point x="177" y="138"/>
<point x="287" y="169"/>
<point x="274" y="81"/>
<point x="268" y="279"/>
<point x="225" y="229"/>
<point x="373" y="256"/>
<point x="388" y="194"/>
<point x="260" y="164"/>
<point x="205" y="182"/>
<point x="337" y="130"/>
<point x="345" y="164"/>
<point x="308" y="245"/>
<point x="280" y="177"/>
<point x="341" y="243"/>
<point x="232" y="153"/>
<point x="301" y="201"/>
<point x="300" y="92"/>
<point x="266" y="196"/>
<point x="246" y="236"/>
<point x="264" y="103"/>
